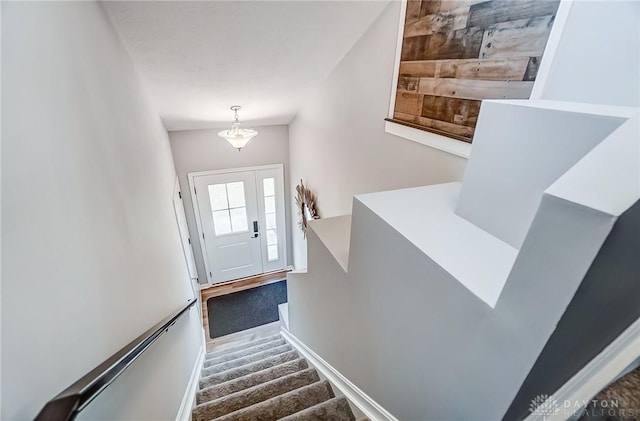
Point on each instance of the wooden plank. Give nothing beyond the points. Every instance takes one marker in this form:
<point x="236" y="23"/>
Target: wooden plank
<point x="429" y="7"/>
<point x="418" y="68"/>
<point x="523" y="38"/>
<point x="452" y="110"/>
<point x="429" y="68"/>
<point x="533" y="65"/>
<point x="485" y="69"/>
<point x="440" y="127"/>
<point x="503" y="69"/>
<point x="497" y="11"/>
<point x="415" y="48"/>
<point x="444" y="126"/>
<point x="408" y="103"/>
<point x="475" y="89"/>
<point x="404" y="116"/>
<point x="413" y="9"/>
<point x="446" y="5"/>
<point x="460" y="44"/>
<point x="440" y="22"/>
<point x="409" y="84"/>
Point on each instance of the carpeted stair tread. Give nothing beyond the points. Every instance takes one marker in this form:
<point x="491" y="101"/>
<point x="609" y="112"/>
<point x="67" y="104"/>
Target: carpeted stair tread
<point x="234" y="373"/>
<point x="265" y="380"/>
<point x="228" y="365"/>
<point x="243" y="352"/>
<point x="335" y="409"/>
<point x="214" y="354"/>
<point x="260" y="393"/>
<point x="250" y="380"/>
<point x="284" y="405"/>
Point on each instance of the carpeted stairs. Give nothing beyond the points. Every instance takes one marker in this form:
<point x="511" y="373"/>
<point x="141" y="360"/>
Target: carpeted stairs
<point x="265" y="380"/>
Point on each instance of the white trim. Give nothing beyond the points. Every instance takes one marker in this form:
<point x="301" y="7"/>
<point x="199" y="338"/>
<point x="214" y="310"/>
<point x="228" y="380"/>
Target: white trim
<point x="368" y="406"/>
<point x="551" y="48"/>
<point x="189" y="398"/>
<point x="596" y="375"/>
<point x="396" y="69"/>
<point x="191" y="175"/>
<point x="446" y="144"/>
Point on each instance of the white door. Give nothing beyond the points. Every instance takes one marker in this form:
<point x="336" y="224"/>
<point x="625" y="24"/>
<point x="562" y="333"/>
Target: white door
<point x="240" y="216"/>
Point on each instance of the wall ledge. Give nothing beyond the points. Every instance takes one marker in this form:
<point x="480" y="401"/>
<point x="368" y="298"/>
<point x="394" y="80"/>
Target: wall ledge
<point x="452" y="146"/>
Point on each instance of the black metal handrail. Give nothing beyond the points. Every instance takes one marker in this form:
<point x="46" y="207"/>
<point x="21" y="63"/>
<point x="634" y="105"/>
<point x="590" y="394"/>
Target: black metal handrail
<point x="68" y="403"/>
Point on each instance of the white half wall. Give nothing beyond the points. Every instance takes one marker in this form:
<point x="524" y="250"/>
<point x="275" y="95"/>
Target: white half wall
<point x="405" y="330"/>
<point x="90" y="247"/>
<point x="338" y="144"/>
<point x="201" y="150"/>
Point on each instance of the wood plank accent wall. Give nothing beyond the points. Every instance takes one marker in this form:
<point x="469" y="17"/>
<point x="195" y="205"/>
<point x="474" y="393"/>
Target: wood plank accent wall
<point x="455" y="53"/>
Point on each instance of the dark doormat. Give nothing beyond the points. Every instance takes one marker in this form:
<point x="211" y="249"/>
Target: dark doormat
<point x="245" y="309"/>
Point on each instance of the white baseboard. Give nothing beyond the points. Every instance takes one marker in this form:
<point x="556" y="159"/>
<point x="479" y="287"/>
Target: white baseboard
<point x="188" y="400"/>
<point x="368" y="406"/>
<point x="595" y="376"/>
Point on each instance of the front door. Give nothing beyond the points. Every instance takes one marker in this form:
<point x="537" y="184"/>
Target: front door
<point x="241" y="215"/>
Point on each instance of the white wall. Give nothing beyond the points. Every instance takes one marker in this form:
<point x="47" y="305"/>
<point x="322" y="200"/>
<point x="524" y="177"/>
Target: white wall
<point x="598" y="57"/>
<point x="90" y="248"/>
<point x="201" y="150"/>
<point x="338" y="145"/>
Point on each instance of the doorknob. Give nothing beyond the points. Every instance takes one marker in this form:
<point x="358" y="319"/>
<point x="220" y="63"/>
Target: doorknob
<point x="255" y="229"/>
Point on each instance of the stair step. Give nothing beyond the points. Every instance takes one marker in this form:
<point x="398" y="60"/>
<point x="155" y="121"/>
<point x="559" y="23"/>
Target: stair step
<point x="214" y="354"/>
<point x="283" y="405"/>
<point x="250" y="380"/>
<point x="336" y="409"/>
<point x="243" y="352"/>
<point x="260" y="393"/>
<point x="247" y="369"/>
<point x="228" y="365"/>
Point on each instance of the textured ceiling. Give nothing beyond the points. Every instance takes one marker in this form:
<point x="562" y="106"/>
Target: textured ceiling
<point x="199" y="58"/>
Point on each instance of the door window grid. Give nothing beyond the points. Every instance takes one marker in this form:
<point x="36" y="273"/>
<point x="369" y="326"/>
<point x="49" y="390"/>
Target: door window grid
<point x="228" y="208"/>
<point x="268" y="185"/>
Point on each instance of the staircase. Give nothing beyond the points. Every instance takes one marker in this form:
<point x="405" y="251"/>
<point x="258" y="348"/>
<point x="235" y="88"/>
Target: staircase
<point x="264" y="380"/>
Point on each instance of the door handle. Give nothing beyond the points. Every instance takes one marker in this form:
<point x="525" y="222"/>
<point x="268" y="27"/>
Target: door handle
<point x="255" y="229"/>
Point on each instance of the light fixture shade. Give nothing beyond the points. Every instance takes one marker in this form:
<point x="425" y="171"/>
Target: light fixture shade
<point x="237" y="137"/>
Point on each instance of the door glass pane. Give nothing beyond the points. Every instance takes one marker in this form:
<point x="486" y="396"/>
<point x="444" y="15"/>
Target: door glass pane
<point x="269" y="186"/>
<point x="229" y="209"/>
<point x="271" y="221"/>
<point x="270" y="204"/>
<point x="239" y="219"/>
<point x="218" y="197"/>
<point x="222" y="222"/>
<point x="272" y="237"/>
<point x="272" y="253"/>
<point x="236" y="194"/>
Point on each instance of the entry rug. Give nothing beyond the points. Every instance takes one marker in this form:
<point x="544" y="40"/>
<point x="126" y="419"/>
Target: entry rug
<point x="245" y="309"/>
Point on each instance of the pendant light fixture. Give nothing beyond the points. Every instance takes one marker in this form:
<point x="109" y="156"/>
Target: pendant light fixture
<point x="235" y="135"/>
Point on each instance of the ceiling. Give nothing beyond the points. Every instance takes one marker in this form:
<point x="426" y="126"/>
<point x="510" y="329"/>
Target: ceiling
<point x="199" y="58"/>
